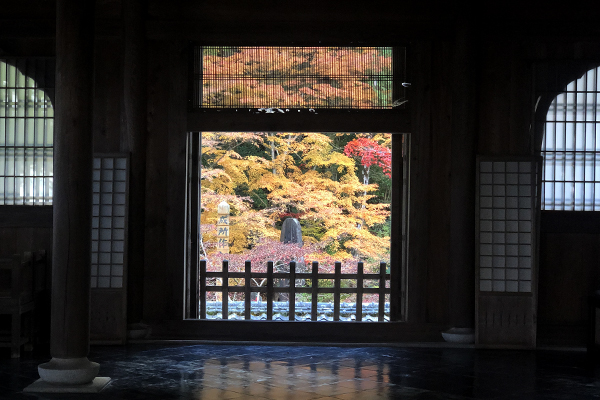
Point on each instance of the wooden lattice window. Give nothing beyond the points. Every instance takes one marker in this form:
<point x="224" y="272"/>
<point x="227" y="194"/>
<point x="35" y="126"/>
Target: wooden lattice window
<point x="571" y="147"/>
<point x="109" y="221"/>
<point x="507" y="220"/>
<point x="26" y="131"/>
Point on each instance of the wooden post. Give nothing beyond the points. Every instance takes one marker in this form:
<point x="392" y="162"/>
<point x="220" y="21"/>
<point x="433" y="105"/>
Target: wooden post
<point x="225" y="290"/>
<point x="270" y="291"/>
<point x="315" y="291"/>
<point x="134" y="141"/>
<point x="247" y="293"/>
<point x="292" y="296"/>
<point x="461" y="300"/>
<point x="336" y="291"/>
<point x="203" y="289"/>
<point x="397" y="269"/>
<point x="381" y="308"/>
<point x="72" y="202"/>
<point x="359" y="290"/>
<point x="193" y="276"/>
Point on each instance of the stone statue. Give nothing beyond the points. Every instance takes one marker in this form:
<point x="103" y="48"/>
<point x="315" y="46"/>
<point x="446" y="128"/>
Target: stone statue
<point x="291" y="231"/>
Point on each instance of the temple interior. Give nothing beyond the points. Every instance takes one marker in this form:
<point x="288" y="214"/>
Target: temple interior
<point x="493" y="279"/>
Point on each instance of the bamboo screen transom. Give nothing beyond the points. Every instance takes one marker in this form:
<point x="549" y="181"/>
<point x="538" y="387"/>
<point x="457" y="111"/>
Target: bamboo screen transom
<point x="296" y="77"/>
<point x="571" y="147"/>
<point x="26" y="131"/>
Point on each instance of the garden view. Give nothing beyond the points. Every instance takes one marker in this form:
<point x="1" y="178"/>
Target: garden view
<point x="337" y="185"/>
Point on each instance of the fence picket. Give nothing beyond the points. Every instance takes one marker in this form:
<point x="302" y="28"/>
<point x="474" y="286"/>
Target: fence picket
<point x="247" y="293"/>
<point x="203" y="289"/>
<point x="315" y="291"/>
<point x="336" y="291"/>
<point x="225" y="290"/>
<point x="270" y="291"/>
<point x="292" y="296"/>
<point x="359" y="291"/>
<point x="382" y="268"/>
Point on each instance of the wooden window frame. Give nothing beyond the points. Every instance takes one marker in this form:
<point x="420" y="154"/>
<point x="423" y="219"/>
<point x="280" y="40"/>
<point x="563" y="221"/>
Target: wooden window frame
<point x="395" y="121"/>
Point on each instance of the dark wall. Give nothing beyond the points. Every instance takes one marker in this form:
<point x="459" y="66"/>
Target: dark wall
<point x="569" y="273"/>
<point x="429" y="206"/>
<point x="505" y="99"/>
<point x="23" y="229"/>
<point x="108" y="95"/>
<point x="165" y="187"/>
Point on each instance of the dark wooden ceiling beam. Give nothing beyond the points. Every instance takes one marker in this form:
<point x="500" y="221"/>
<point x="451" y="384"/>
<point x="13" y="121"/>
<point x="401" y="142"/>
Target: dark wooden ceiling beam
<point x="294" y="121"/>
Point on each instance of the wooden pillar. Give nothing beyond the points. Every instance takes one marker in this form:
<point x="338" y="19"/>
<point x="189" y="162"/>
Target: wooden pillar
<point x="462" y="194"/>
<point x="135" y="142"/>
<point x="72" y="198"/>
<point x="72" y="179"/>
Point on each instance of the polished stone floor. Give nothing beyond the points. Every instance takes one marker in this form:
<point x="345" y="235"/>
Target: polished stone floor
<point x="219" y="371"/>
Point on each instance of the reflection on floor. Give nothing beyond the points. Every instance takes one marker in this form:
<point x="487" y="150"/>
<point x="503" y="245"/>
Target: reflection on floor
<point x="214" y="371"/>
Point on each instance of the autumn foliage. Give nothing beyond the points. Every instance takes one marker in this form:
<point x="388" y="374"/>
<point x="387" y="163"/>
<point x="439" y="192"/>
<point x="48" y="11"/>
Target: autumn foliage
<point x="266" y="177"/>
<point x="370" y="153"/>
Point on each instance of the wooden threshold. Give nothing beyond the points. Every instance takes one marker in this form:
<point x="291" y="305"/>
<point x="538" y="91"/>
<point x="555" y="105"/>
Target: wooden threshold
<point x="297" y="331"/>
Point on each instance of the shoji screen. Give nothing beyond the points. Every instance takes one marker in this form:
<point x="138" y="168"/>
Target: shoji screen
<point x="507" y="219"/>
<point x="109" y="248"/>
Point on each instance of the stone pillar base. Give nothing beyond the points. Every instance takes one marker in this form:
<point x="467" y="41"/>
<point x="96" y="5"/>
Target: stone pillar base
<point x="459" y="335"/>
<point x="41" y="386"/>
<point x="68" y="371"/>
<point x="138" y="331"/>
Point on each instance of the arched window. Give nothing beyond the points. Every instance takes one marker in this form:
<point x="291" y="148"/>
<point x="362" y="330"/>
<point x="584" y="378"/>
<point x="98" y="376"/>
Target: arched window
<point x="26" y="132"/>
<point x="571" y="147"/>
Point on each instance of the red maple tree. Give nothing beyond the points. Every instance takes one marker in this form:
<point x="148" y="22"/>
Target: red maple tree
<point x="370" y="153"/>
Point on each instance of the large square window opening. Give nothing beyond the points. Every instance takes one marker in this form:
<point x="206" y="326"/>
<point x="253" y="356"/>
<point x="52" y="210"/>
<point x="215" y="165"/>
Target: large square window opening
<point x="296" y="197"/>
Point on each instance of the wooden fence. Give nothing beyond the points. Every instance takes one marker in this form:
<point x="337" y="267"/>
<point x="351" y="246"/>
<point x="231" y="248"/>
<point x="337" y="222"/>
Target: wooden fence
<point x="293" y="277"/>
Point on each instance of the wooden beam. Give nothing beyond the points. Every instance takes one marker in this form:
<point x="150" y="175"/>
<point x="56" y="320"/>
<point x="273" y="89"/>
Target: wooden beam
<point x="294" y="121"/>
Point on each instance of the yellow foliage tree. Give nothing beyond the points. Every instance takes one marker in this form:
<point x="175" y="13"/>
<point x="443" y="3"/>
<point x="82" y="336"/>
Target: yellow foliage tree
<point x="303" y="175"/>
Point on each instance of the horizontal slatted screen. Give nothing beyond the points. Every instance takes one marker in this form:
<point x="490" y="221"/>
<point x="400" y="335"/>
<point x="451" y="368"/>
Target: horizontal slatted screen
<point x="297" y="77"/>
<point x="26" y="131"/>
<point x="571" y="148"/>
